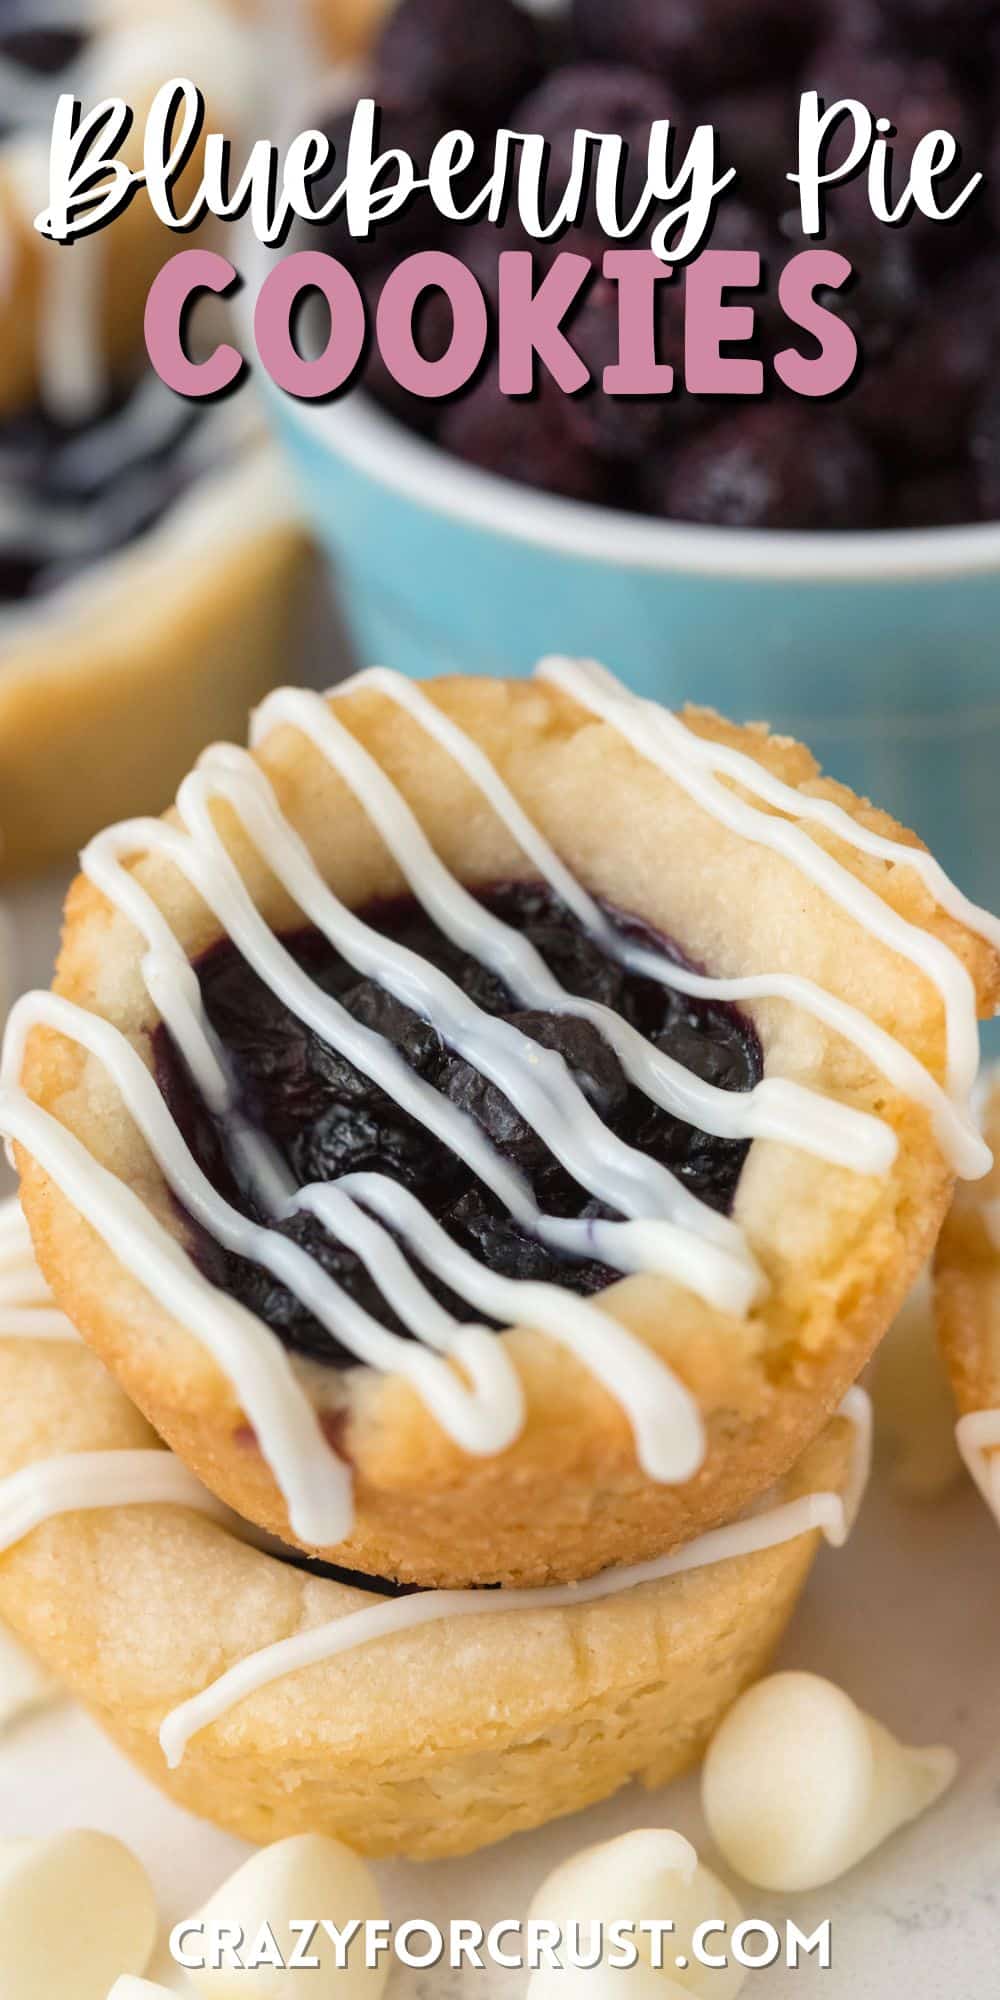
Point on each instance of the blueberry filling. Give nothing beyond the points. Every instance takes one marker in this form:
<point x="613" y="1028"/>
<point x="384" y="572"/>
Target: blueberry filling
<point x="71" y="495"/>
<point x="327" y="1119"/>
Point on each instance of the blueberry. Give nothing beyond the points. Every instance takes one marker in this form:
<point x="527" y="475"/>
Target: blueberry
<point x="756" y="128"/>
<point x="941" y="499"/>
<point x="415" y="1040"/>
<point x="858" y="22"/>
<point x="918" y="404"/>
<point x="433" y="331"/>
<point x="775" y="466"/>
<point x="917" y="93"/>
<point x="591" y="1059"/>
<point x="480" y="245"/>
<point x="598" y="97"/>
<point x="623" y="427"/>
<point x="527" y="440"/>
<point x="471" y="1092"/>
<point x="698" y="48"/>
<point x="413" y="129"/>
<point x="366" y="1141"/>
<point x="721" y="1059"/>
<point x="985" y="448"/>
<point x="955" y="26"/>
<point x="432" y="52"/>
<point x="593" y="1063"/>
<point x="19" y="573"/>
<point x="887" y="291"/>
<point x="578" y="963"/>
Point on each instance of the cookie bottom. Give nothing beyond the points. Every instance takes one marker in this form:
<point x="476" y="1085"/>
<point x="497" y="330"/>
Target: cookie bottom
<point x="431" y="1741"/>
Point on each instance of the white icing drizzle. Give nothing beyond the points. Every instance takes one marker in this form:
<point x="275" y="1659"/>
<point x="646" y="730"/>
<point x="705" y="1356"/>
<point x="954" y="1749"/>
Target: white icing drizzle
<point x="977" y="1435"/>
<point x="246" y="496"/>
<point x="485" y="1423"/>
<point x="27" y="1308"/>
<point x="665" y="1419"/>
<point x="955" y="1126"/>
<point x="109" y="475"/>
<point x="667" y="1426"/>
<point x="665" y="1229"/>
<point x="315" y="1484"/>
<point x="88" y="1481"/>
<point x="395" y="1615"/>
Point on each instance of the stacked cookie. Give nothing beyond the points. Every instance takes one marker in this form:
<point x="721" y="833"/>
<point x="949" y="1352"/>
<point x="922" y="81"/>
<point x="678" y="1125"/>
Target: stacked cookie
<point x="491" y="1204"/>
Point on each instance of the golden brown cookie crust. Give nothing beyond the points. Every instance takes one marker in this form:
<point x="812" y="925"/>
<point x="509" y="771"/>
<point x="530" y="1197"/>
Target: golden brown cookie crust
<point x="967" y="1285"/>
<point x="109" y="691"/>
<point x="840" y="1249"/>
<point x="431" y="1742"/>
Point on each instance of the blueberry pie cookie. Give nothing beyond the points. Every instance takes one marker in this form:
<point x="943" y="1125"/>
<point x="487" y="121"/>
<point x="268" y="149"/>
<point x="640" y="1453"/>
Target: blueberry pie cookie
<point x="275" y="1697"/>
<point x="153" y="576"/>
<point x="487" y="1128"/>
<point x="150" y="560"/>
<point x="967" y="1299"/>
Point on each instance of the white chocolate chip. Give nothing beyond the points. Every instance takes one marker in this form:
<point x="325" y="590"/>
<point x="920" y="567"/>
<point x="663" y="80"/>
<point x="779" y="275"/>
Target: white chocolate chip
<point x="914" y="1410"/>
<point x="799" y="1784"/>
<point x="605" y="1983"/>
<point x="129" y="1988"/>
<point x="75" y="1911"/>
<point x="24" y="1685"/>
<point x="307" y="1877"/>
<point x="647" y="1876"/>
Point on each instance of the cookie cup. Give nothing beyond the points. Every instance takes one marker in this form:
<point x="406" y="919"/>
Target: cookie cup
<point x="429" y="1742"/>
<point x="838" y="1248"/>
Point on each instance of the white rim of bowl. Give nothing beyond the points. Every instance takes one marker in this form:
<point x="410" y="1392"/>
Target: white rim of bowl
<point x="440" y="483"/>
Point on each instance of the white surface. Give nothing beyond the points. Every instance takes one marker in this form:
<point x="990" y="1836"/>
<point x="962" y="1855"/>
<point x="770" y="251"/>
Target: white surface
<point x="907" y="1618"/>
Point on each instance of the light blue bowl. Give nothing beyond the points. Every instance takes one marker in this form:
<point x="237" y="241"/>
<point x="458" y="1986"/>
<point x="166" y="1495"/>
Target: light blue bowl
<point x="880" y="650"/>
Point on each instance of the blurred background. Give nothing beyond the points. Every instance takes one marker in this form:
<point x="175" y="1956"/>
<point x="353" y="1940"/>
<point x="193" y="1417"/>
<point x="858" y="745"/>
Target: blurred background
<point x="833" y="567"/>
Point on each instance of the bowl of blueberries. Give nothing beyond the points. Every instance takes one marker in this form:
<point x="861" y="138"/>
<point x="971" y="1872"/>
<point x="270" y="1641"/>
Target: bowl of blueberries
<point x="834" y="565"/>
